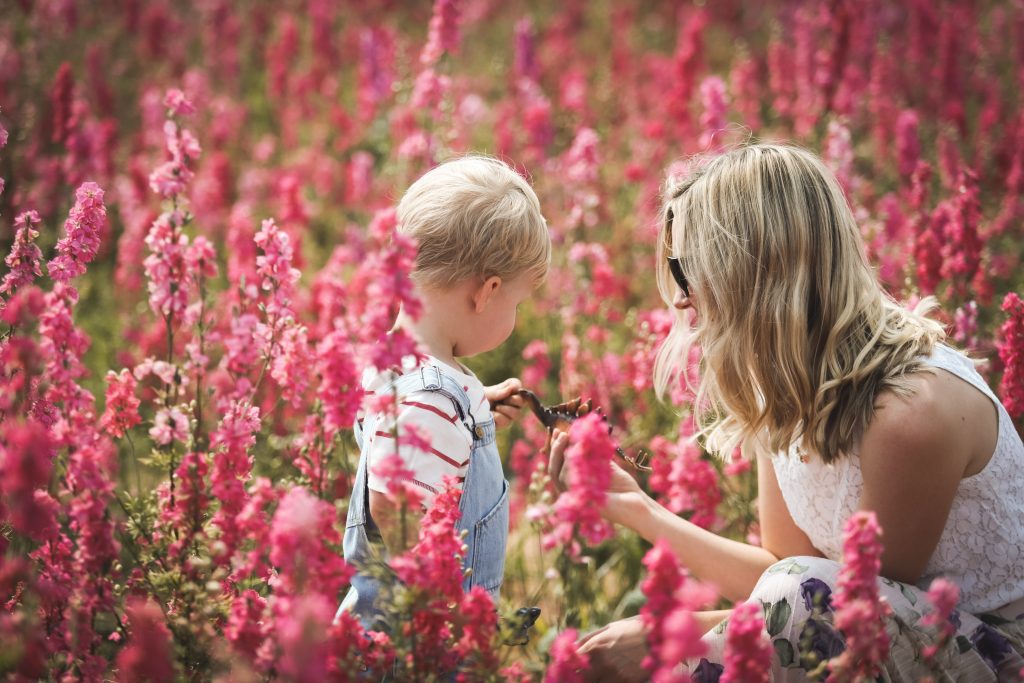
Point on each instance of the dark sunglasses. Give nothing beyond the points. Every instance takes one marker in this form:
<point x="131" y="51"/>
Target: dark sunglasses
<point x="678" y="275"/>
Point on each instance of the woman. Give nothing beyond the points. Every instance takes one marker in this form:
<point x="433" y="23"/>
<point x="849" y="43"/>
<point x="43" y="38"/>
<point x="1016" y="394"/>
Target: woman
<point x="847" y="401"/>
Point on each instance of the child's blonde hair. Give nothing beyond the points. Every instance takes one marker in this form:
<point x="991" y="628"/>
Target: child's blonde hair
<point x="471" y="217"/>
<point x="797" y="335"/>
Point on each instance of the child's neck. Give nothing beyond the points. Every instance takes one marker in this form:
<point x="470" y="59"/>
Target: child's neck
<point x="434" y="338"/>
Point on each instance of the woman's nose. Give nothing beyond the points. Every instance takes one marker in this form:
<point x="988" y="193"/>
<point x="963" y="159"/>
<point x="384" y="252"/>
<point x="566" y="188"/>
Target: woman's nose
<point x="681" y="301"/>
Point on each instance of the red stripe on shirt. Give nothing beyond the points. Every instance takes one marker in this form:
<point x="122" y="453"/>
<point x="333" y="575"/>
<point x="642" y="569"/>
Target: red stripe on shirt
<point x="448" y="460"/>
<point x="433" y="409"/>
<point x="434" y="451"/>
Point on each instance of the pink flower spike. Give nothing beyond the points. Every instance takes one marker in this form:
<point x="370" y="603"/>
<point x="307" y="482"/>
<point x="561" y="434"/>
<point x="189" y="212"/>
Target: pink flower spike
<point x="748" y="653"/>
<point x="24" y="258"/>
<point x="82" y="229"/>
<point x="122" y="411"/>
<point x="860" y="612"/>
<point x="567" y="663"/>
<point x="1011" y="352"/>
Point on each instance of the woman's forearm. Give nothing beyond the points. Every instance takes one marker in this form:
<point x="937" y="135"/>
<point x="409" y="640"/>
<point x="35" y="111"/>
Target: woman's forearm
<point x="733" y="567"/>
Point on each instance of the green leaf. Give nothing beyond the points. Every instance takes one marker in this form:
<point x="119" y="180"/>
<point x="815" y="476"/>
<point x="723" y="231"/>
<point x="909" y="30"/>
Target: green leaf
<point x="777" y="617"/>
<point x="908" y="594"/>
<point x="784" y="651"/>
<point x="791" y="567"/>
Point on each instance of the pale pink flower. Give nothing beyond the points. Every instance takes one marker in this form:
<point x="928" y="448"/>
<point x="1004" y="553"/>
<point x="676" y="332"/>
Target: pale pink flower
<point x="166" y="266"/>
<point x="567" y="662"/>
<point x="748" y="652"/>
<point x="169" y="425"/>
<point x="965" y="325"/>
<point x="714" y="118"/>
<point x="944" y="596"/>
<point x="538" y="363"/>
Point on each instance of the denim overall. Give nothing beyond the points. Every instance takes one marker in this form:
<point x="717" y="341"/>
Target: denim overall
<point x="484" y="502"/>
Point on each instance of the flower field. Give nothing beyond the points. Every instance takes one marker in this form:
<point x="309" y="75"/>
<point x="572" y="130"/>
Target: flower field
<point x="197" y="213"/>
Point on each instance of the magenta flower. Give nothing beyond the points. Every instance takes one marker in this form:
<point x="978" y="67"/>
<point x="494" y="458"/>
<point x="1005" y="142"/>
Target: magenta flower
<point x="567" y="663"/>
<point x="23" y="261"/>
<point x="26" y="461"/>
<point x="340" y="392"/>
<point x="578" y="510"/>
<point x="149" y="653"/>
<point x="673" y="634"/>
<point x="748" y="652"/>
<point x="860" y="612"/>
<point x="85" y="222"/>
<point x="1011" y="353"/>
<point x="434" y="564"/>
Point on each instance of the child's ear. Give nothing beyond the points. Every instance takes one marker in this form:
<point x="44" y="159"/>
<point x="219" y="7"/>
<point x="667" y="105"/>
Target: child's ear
<point x="483" y="293"/>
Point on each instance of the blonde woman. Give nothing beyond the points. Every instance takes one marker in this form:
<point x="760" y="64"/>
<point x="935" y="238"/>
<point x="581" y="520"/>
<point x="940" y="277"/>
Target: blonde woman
<point x="847" y="401"/>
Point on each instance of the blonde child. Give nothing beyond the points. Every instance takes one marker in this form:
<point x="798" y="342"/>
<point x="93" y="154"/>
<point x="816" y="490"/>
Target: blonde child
<point x="482" y="249"/>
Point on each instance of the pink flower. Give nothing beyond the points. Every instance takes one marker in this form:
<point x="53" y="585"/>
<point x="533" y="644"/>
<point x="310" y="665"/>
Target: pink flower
<point x="688" y="482"/>
<point x="567" y="662"/>
<point x="1011" y="353"/>
<point x="302" y="537"/>
<point x="149" y="654"/>
<point x="479" y="621"/>
<point x="170" y="424"/>
<point x="673" y="633"/>
<point x="122" y="411"/>
<point x="26" y="460"/>
<point x="443" y="35"/>
<point x="166" y="267"/>
<point x="944" y="596"/>
<point x="860" y="612"/>
<point x="244" y="629"/>
<point x="87" y="219"/>
<point x="177" y="104"/>
<point x="748" y="653"/>
<point x="715" y="116"/>
<point x="908" y="146"/>
<point x="539" y="363"/>
<point x="578" y="510"/>
<point x="274" y="266"/>
<point x="434" y="564"/>
<point x="340" y="392"/>
<point x="23" y="261"/>
<point x="398" y="479"/>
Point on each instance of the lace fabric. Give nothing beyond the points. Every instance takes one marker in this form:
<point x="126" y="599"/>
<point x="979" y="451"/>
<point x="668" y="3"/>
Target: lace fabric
<point x="982" y="544"/>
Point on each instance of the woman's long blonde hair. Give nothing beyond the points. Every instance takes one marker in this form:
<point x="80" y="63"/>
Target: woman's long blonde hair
<point x="797" y="336"/>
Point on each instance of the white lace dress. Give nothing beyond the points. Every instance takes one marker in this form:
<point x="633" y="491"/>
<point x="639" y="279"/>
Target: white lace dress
<point x="981" y="549"/>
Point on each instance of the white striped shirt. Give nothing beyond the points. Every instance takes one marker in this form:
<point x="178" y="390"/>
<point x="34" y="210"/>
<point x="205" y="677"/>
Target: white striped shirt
<point x="432" y="415"/>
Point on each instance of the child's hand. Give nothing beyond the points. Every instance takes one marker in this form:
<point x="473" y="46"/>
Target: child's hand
<point x="505" y="401"/>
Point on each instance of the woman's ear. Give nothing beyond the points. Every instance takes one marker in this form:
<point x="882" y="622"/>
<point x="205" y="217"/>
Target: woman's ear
<point x="482" y="294"/>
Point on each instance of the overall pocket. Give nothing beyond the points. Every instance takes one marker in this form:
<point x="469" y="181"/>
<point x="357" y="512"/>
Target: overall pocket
<point x="490" y="536"/>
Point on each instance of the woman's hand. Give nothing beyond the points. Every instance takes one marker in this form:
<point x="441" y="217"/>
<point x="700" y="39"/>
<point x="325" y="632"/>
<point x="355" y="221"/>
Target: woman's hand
<point x="616" y="652"/>
<point x="505" y="401"/>
<point x="625" y="496"/>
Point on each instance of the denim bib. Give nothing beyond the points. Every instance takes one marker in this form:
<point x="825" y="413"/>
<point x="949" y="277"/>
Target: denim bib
<point x="484" y="503"/>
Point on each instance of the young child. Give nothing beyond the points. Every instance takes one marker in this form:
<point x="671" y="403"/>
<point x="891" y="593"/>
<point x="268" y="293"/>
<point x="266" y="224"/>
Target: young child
<point x="483" y="247"/>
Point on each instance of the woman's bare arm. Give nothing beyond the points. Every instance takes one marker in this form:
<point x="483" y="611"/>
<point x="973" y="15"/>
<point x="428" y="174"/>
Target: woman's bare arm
<point x="732" y="566"/>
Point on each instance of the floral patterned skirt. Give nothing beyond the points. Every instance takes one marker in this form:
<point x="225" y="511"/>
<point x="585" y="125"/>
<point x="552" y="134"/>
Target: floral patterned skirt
<point x="796" y="596"/>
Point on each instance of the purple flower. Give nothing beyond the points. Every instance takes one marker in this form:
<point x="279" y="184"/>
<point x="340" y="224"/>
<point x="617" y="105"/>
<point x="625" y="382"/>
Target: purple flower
<point x="816" y="593"/>
<point x="992" y="645"/>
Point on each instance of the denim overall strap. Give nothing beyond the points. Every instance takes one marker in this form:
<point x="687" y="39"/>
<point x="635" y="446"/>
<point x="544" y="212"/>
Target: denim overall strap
<point x="433" y="378"/>
<point x="485" y="513"/>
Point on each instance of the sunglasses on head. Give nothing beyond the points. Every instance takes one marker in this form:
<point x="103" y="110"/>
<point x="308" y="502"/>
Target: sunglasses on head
<point x="674" y="266"/>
